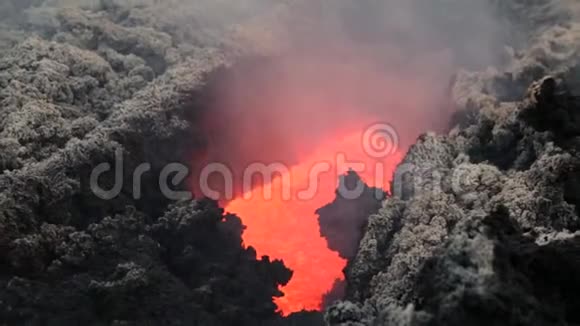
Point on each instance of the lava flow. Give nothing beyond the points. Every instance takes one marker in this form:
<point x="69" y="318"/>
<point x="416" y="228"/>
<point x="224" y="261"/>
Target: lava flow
<point x="287" y="228"/>
<point x="303" y="110"/>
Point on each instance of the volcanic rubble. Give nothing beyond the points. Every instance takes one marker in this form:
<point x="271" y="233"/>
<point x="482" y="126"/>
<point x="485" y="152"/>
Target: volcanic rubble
<point x="483" y="227"/>
<point x="483" y="232"/>
<point x="77" y="84"/>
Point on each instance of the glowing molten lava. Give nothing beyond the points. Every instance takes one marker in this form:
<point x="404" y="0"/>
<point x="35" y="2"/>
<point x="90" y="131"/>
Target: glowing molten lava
<point x="302" y="109"/>
<point x="287" y="228"/>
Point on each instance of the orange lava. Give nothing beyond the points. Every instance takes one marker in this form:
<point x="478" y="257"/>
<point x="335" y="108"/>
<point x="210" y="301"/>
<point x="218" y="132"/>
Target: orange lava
<point x="287" y="228"/>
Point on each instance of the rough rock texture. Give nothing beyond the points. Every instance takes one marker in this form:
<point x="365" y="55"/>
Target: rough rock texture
<point x="90" y="82"/>
<point x="188" y="267"/>
<point x="342" y="221"/>
<point x="482" y="227"/>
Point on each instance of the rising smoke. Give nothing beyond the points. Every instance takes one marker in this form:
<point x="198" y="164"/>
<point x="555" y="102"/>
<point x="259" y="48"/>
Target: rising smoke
<point x="80" y="78"/>
<point x="326" y="69"/>
<point x="336" y="66"/>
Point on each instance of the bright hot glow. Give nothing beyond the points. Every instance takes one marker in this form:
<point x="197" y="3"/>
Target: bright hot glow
<point x="300" y="110"/>
<point x="288" y="229"/>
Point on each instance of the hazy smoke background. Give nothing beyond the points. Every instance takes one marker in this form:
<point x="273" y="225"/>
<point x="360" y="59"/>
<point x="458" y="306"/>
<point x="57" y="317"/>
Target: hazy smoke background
<point x="88" y="83"/>
<point x="327" y="68"/>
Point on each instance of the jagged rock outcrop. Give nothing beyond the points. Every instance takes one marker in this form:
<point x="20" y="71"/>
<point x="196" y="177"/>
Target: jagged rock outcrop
<point x="86" y="83"/>
<point x="482" y="214"/>
<point x="187" y="267"/>
<point x="482" y="228"/>
<point x="342" y="221"/>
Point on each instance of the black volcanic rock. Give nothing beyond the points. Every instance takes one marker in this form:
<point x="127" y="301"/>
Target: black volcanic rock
<point x="342" y="222"/>
<point x="485" y="230"/>
<point x="80" y="83"/>
<point x="489" y="233"/>
<point x="479" y="271"/>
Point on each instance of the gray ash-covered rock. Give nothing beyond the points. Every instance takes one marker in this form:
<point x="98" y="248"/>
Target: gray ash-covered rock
<point x="490" y="273"/>
<point x="482" y="229"/>
<point x="188" y="267"/>
<point x="80" y="83"/>
<point x="342" y="222"/>
<point x="474" y="242"/>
